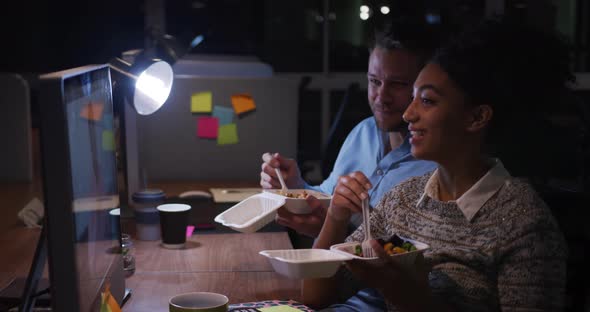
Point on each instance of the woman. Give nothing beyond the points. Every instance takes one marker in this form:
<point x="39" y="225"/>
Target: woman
<point x="494" y="245"/>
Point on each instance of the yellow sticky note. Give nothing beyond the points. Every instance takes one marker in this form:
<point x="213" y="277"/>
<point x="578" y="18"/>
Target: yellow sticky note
<point x="279" y="308"/>
<point x="108" y="140"/>
<point x="92" y="111"/>
<point x="107" y="302"/>
<point x="201" y="102"/>
<point x="227" y="134"/>
<point x="242" y="103"/>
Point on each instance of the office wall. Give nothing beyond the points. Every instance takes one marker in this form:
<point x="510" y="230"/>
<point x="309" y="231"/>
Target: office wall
<point x="170" y="149"/>
<point x="15" y="135"/>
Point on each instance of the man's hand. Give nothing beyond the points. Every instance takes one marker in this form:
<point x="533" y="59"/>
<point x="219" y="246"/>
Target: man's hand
<point x="306" y="224"/>
<point x="348" y="195"/>
<point x="405" y="287"/>
<point x="288" y="167"/>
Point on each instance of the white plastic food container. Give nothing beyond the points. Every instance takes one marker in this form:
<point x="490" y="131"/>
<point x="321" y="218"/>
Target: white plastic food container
<point x="406" y="258"/>
<point x="251" y="214"/>
<point x="295" y="199"/>
<point x="305" y="263"/>
<point x="258" y="210"/>
<point x="321" y="263"/>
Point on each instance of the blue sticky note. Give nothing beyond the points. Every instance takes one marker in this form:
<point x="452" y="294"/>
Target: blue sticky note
<point x="108" y="121"/>
<point x="224" y="114"/>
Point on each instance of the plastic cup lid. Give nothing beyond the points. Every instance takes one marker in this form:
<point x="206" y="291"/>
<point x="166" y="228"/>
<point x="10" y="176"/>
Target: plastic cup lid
<point x="148" y="195"/>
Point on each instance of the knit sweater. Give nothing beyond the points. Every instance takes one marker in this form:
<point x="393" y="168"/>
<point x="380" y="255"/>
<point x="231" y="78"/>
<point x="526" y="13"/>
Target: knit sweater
<point x="510" y="256"/>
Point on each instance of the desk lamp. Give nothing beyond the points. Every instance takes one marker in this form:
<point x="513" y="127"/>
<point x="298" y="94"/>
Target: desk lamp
<point x="144" y="83"/>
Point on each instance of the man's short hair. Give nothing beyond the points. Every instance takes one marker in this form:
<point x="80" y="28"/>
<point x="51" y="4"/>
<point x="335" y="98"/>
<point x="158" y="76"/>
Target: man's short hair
<point x="411" y="35"/>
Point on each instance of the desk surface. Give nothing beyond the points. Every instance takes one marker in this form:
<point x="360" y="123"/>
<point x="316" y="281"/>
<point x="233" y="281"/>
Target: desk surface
<point x="211" y="253"/>
<point x="223" y="263"/>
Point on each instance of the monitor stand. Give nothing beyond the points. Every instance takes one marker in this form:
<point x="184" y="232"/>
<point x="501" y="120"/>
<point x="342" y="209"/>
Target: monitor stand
<point x="29" y="295"/>
<point x="23" y="292"/>
<point x="11" y="295"/>
<point x="126" y="296"/>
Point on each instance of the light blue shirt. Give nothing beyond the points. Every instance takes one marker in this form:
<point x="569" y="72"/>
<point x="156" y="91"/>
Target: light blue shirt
<point x="363" y="150"/>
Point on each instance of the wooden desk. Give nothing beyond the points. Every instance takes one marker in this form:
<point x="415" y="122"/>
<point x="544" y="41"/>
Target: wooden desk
<point x="211" y="253"/>
<point x="223" y="263"/>
<point x="18" y="248"/>
<point x="152" y="291"/>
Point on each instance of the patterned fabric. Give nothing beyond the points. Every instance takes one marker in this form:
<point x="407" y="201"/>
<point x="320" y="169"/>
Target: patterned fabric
<point x="511" y="256"/>
<point x="269" y="303"/>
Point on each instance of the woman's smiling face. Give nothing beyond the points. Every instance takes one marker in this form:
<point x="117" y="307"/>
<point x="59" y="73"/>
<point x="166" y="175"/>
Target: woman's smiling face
<point x="440" y="119"/>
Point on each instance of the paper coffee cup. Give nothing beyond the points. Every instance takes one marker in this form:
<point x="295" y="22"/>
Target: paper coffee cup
<point x="173" y="222"/>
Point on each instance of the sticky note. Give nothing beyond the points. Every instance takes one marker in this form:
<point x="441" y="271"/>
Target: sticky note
<point x="189" y="230"/>
<point x="228" y="134"/>
<point x="224" y="114"/>
<point x="279" y="308"/>
<point x="107" y="120"/>
<point x="108" y="140"/>
<point x="242" y="103"/>
<point x="207" y="127"/>
<point x="92" y="111"/>
<point x="107" y="301"/>
<point x="201" y="102"/>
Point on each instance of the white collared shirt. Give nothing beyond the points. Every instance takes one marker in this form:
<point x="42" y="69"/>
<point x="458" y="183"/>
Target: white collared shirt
<point x="479" y="193"/>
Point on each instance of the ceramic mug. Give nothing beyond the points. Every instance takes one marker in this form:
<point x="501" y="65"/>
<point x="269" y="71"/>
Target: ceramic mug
<point x="198" y="302"/>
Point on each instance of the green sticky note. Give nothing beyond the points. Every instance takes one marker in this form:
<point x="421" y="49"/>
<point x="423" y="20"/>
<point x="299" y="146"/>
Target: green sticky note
<point x="201" y="102"/>
<point x="108" y="140"/>
<point x="227" y="134"/>
<point x="279" y="308"/>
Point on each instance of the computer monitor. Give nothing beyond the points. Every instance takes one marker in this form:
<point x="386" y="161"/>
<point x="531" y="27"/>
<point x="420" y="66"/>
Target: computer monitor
<point x="80" y="187"/>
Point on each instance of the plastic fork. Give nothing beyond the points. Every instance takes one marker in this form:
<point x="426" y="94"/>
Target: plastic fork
<point x="366" y="244"/>
<point x="283" y="185"/>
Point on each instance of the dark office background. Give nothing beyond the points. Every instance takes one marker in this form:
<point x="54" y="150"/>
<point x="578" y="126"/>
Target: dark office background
<point x="43" y="35"/>
<point x="39" y="36"/>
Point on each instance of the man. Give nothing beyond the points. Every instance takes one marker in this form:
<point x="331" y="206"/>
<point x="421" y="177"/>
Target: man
<point x="378" y="146"/>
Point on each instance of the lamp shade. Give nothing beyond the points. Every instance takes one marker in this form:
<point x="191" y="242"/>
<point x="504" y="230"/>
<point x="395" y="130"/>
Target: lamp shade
<point x="149" y="82"/>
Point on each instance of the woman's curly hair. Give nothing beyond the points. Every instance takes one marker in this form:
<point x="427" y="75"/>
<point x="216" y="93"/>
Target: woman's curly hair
<point x="521" y="72"/>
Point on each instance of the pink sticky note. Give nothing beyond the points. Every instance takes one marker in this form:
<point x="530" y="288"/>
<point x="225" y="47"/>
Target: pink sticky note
<point x="207" y="127"/>
<point x="189" y="230"/>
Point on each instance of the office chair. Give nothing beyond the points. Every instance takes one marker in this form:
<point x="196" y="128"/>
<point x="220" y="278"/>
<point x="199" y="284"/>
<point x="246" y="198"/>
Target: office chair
<point x="345" y="119"/>
<point x="570" y="158"/>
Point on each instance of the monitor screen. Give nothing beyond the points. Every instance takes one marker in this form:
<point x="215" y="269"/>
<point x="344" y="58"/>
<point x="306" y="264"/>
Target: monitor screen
<point x="80" y="181"/>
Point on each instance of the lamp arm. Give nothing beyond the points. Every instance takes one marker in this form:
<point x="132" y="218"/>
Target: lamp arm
<point x="122" y="67"/>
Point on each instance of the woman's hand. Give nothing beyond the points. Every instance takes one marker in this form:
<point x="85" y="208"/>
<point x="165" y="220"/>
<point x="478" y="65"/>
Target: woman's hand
<point x="348" y="195"/>
<point x="407" y="288"/>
